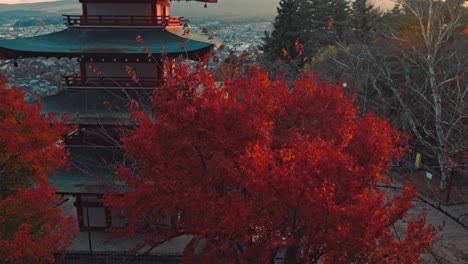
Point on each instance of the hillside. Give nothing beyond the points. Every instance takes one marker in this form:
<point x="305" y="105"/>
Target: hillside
<point x="262" y="9"/>
<point x="66" y="6"/>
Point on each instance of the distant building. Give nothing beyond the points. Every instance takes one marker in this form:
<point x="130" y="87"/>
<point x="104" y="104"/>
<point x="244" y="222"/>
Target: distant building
<point x="120" y="46"/>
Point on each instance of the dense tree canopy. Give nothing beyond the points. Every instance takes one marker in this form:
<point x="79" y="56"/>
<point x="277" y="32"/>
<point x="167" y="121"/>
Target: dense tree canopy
<point x="411" y="67"/>
<point x="313" y="23"/>
<point x="254" y="168"/>
<point x="31" y="226"/>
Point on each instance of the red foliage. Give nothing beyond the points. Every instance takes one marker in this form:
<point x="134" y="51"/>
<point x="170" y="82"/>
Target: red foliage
<point x="258" y="167"/>
<point x="465" y="31"/>
<point x="285" y="54"/>
<point x="299" y="48"/>
<point x="31" y="226"/>
<point x="139" y="40"/>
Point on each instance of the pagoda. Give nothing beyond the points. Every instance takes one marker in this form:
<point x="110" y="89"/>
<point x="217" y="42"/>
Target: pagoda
<point x="124" y="49"/>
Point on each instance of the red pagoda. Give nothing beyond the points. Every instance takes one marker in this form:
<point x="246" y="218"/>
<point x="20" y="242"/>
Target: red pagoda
<point x="124" y="48"/>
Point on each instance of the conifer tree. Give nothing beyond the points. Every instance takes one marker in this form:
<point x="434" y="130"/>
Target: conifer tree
<point x="326" y="21"/>
<point x="286" y="30"/>
<point x="362" y="19"/>
<point x="313" y="23"/>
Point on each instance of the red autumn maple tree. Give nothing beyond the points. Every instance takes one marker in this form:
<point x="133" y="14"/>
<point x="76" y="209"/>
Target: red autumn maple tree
<point x="253" y="169"/>
<point x="31" y="225"/>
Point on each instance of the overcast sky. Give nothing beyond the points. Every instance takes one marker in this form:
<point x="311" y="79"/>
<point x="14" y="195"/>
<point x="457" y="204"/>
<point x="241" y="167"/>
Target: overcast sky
<point x="383" y="3"/>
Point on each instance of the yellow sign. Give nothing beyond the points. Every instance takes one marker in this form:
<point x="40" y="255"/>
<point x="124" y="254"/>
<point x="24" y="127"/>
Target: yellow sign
<point x="418" y="160"/>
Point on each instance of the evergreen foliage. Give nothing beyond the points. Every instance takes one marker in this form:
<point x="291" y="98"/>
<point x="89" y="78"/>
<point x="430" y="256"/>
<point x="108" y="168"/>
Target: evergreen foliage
<point x="326" y="21"/>
<point x="314" y="23"/>
<point x="286" y="30"/>
<point x="362" y="20"/>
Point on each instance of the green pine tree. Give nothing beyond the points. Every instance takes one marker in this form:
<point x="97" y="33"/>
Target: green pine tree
<point x="313" y="23"/>
<point x="363" y="20"/>
<point x="326" y="22"/>
<point x="286" y="30"/>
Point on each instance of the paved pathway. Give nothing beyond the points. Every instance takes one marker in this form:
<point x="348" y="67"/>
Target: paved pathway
<point x="452" y="242"/>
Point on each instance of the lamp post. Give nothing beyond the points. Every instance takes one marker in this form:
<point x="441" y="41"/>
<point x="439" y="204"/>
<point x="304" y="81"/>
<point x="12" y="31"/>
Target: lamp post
<point x="89" y="235"/>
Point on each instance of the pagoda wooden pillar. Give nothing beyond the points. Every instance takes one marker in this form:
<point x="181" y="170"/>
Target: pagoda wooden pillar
<point x="154" y="17"/>
<point x="84" y="16"/>
<point x="83" y="70"/>
<point x="79" y="211"/>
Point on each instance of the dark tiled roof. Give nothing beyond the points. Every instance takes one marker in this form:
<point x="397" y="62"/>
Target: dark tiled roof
<point x="97" y="106"/>
<point x="94" y="42"/>
<point x="91" y="170"/>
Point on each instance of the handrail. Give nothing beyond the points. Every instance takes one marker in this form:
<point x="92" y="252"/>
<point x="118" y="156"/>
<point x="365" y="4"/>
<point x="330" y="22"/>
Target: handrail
<point x="120" y="82"/>
<point x="79" y="20"/>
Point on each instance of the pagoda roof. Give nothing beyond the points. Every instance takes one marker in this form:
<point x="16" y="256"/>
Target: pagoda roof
<point x="102" y="42"/>
<point x="91" y="170"/>
<point x="98" y="106"/>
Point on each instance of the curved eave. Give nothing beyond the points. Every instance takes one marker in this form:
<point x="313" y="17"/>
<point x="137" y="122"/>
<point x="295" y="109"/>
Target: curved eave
<point x="97" y="106"/>
<point x="108" y="42"/>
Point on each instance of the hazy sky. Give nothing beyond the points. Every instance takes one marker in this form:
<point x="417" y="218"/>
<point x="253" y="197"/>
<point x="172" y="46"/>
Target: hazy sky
<point x="23" y="1"/>
<point x="383" y="3"/>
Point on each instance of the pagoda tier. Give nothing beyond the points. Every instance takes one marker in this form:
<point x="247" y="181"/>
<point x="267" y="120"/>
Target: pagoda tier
<point x="122" y="20"/>
<point x="108" y="45"/>
<point x="147" y="13"/>
<point x="98" y="107"/>
<point x="91" y="170"/>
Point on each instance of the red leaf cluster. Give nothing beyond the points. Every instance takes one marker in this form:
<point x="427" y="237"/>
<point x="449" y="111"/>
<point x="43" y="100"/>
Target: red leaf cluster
<point x="139" y="40"/>
<point x="465" y="31"/>
<point x="255" y="167"/>
<point x="31" y="226"/>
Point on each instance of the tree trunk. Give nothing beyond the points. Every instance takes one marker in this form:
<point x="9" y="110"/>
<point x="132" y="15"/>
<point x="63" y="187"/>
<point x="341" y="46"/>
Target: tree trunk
<point x="441" y="139"/>
<point x="443" y="171"/>
<point x="290" y="255"/>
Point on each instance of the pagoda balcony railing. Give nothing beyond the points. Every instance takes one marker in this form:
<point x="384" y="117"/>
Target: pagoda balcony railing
<point x="97" y="20"/>
<point x="111" y="82"/>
